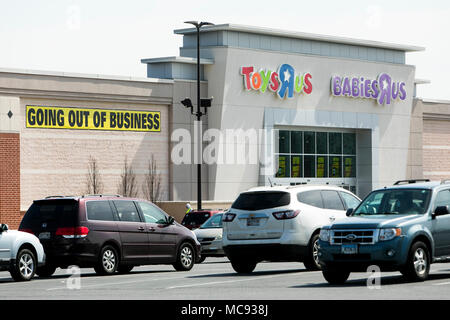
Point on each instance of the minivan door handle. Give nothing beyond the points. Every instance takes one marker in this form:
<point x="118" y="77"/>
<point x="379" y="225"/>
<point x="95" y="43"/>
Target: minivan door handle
<point x="151" y="229"/>
<point x="332" y="218"/>
<point x="141" y="228"/>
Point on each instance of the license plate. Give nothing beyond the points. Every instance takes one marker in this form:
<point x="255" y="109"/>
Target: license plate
<point x="252" y="222"/>
<point x="44" y="235"/>
<point x="349" y="249"/>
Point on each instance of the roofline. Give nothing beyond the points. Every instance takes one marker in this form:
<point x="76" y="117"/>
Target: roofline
<point x="178" y="59"/>
<point x="437" y="101"/>
<point x="82" y="75"/>
<point x="302" y="35"/>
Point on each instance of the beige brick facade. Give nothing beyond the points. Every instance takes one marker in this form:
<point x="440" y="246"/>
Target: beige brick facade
<point x="55" y="161"/>
<point x="436" y="140"/>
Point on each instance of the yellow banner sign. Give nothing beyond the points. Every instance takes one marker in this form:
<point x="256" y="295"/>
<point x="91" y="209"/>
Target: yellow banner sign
<point x="92" y="119"/>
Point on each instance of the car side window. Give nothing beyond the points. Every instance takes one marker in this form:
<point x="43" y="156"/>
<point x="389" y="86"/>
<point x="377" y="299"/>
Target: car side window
<point x="350" y="201"/>
<point x="442" y="199"/>
<point x="312" y="198"/>
<point x="331" y="200"/>
<point x="127" y="211"/>
<point x="151" y="213"/>
<point x="99" y="210"/>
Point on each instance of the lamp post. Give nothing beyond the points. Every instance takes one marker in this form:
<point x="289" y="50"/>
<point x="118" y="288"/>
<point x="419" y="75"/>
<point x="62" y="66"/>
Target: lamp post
<point x="199" y="114"/>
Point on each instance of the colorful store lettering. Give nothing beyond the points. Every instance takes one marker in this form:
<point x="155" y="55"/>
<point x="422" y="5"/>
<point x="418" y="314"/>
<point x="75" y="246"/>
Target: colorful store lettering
<point x="384" y="90"/>
<point x="284" y="82"/>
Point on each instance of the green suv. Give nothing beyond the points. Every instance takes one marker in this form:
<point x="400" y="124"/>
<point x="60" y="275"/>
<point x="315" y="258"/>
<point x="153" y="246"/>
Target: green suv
<point x="403" y="228"/>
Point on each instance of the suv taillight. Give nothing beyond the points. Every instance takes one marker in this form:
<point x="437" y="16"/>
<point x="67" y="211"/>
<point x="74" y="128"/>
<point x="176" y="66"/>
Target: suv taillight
<point x="228" y="217"/>
<point x="75" y="232"/>
<point x="26" y="230"/>
<point x="287" y="214"/>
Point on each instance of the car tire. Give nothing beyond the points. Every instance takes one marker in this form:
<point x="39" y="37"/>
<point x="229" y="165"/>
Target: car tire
<point x="335" y="276"/>
<point x="243" y="266"/>
<point x="202" y="258"/>
<point x="46" y="271"/>
<point x="108" y="261"/>
<point x="125" y="269"/>
<point x="185" y="257"/>
<point x="24" y="267"/>
<point x="417" y="266"/>
<point x="312" y="259"/>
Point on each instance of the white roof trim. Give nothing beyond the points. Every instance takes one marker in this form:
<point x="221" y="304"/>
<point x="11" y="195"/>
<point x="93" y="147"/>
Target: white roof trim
<point x="82" y="75"/>
<point x="302" y="35"/>
<point x="188" y="60"/>
<point x="421" y="81"/>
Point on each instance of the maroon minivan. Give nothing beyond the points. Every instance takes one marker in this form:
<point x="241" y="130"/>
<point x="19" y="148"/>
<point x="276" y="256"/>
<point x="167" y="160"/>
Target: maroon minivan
<point x="108" y="233"/>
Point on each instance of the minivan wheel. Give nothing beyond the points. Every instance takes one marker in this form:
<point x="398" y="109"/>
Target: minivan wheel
<point x="312" y="259"/>
<point x="185" y="257"/>
<point x="243" y="266"/>
<point x="108" y="261"/>
<point x="24" y="267"/>
<point x="335" y="276"/>
<point x="46" y="271"/>
<point x="417" y="266"/>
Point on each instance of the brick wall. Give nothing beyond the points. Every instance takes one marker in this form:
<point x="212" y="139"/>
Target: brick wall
<point x="436" y="149"/>
<point x="10" y="179"/>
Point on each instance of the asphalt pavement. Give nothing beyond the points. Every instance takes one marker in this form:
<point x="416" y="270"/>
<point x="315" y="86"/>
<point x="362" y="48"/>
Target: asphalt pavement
<point x="215" y="279"/>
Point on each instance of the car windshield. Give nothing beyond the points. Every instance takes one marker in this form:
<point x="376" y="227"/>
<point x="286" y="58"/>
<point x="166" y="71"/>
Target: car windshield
<point x="214" y="222"/>
<point x="395" y="201"/>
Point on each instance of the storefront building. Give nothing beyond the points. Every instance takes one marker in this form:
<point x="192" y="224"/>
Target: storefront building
<point x="333" y="110"/>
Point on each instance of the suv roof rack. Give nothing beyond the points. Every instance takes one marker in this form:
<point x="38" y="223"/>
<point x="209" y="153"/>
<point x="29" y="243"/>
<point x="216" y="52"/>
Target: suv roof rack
<point x="410" y="181"/>
<point x="48" y="197"/>
<point x="445" y="181"/>
<point x="101" y="195"/>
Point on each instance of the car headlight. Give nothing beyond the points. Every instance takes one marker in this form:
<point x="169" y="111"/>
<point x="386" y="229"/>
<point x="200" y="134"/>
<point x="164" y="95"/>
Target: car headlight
<point x="389" y="233"/>
<point x="324" y="235"/>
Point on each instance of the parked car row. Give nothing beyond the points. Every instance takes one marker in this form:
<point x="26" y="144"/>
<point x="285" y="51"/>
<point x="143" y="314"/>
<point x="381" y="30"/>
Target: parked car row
<point x="405" y="227"/>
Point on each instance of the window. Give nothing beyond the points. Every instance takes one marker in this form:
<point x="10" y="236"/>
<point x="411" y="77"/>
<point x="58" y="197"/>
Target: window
<point x="310" y="167"/>
<point x="152" y="214"/>
<point x="309" y="154"/>
<point x="283" y="138"/>
<point x="99" y="210"/>
<point x="214" y="222"/>
<point x="127" y="211"/>
<point x="296" y="142"/>
<point x="335" y="143"/>
<point x="442" y="199"/>
<point x="261" y="200"/>
<point x="312" y="198"/>
<point x="60" y="213"/>
<point x="331" y="200"/>
<point x="350" y="201"/>
<point x="283" y="166"/>
<point x="310" y="142"/>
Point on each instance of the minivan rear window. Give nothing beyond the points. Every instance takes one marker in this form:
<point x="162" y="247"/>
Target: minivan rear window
<point x="54" y="213"/>
<point x="261" y="200"/>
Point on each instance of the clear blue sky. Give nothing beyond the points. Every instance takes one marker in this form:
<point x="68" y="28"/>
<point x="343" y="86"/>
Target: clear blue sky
<point x="110" y="37"/>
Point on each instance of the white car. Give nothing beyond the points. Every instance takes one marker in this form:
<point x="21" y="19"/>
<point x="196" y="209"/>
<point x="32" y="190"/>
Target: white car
<point x="281" y="223"/>
<point x="210" y="237"/>
<point x="20" y="253"/>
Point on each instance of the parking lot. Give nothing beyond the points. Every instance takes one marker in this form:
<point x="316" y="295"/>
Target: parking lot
<point x="215" y="279"/>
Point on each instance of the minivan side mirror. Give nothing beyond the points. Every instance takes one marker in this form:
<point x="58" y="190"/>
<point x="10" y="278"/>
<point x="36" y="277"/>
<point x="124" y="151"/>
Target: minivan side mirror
<point x="3" y="227"/>
<point x="441" y="210"/>
<point x="170" y="220"/>
<point x="349" y="212"/>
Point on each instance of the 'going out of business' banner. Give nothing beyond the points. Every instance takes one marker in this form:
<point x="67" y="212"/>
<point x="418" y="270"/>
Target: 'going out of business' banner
<point x="92" y="119"/>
